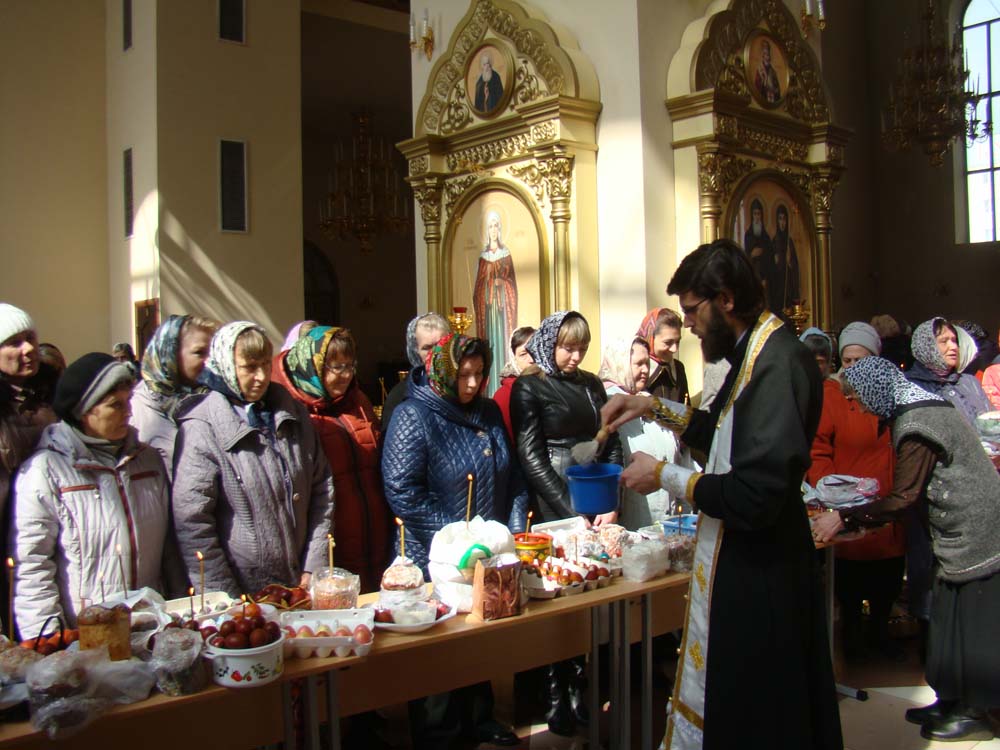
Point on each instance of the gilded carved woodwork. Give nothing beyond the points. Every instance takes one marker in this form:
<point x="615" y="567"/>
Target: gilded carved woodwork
<point x="492" y="151"/>
<point x="418" y="165"/>
<point x="455" y="188"/>
<point x="428" y="195"/>
<point x="719" y="173"/>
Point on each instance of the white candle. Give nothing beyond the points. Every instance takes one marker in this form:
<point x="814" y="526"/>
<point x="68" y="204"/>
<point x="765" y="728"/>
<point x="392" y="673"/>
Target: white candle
<point x="413" y="30"/>
<point x="426" y="23"/>
<point x="820" y="10"/>
<point x="808" y="6"/>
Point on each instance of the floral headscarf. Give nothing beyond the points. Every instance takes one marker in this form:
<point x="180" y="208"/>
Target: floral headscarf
<point x="924" y="347"/>
<point x="647" y="329"/>
<point x="220" y="370"/>
<point x="882" y="388"/>
<point x="305" y="360"/>
<point x="295" y="332"/>
<point x="616" y="367"/>
<point x="542" y="345"/>
<point x="159" y="363"/>
<point x="444" y="360"/>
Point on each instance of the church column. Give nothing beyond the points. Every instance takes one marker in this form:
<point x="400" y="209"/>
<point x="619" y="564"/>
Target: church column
<point x="823" y="184"/>
<point x="556" y="166"/>
<point x="428" y="190"/>
<point x="709" y="193"/>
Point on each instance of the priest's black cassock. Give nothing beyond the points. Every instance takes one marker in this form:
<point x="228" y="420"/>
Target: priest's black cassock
<point x="768" y="679"/>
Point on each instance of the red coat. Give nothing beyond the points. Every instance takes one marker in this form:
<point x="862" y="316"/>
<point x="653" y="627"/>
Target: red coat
<point x="502" y="397"/>
<point x="349" y="434"/>
<point x="848" y="441"/>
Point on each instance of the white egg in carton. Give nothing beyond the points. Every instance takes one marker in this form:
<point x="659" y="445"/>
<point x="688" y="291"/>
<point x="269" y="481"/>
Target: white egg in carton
<point x="332" y="620"/>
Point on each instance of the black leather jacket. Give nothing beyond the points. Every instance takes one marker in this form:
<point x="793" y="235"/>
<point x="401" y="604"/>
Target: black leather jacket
<point x="550" y="415"/>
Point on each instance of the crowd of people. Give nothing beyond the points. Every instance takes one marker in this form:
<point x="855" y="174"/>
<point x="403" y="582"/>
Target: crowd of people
<point x="117" y="474"/>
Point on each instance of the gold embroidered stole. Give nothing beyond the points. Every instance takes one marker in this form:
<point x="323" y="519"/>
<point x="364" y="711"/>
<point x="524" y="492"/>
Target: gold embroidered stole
<point x="686" y="724"/>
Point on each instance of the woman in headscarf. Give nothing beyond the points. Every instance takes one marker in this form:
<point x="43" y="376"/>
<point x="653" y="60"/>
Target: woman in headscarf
<point x="494" y="297"/>
<point x="555" y="405"/>
<point x="941" y="352"/>
<point x="319" y="372"/>
<point x="625" y="369"/>
<point x="444" y="431"/>
<point x="90" y="493"/>
<point x="252" y="486"/>
<point x="521" y="359"/>
<point x="174" y="359"/>
<point x="852" y="441"/>
<point x="661" y="329"/>
<point x="941" y="466"/>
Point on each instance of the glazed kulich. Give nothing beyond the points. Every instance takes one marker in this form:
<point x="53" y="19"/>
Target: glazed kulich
<point x="402" y="577"/>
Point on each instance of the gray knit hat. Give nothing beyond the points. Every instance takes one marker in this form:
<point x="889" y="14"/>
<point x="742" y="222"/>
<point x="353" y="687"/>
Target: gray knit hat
<point x="860" y="334"/>
<point x="13" y="320"/>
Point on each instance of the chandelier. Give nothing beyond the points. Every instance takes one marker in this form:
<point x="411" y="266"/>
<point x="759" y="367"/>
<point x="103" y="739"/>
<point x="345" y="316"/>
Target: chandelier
<point x="364" y="192"/>
<point x="930" y="103"/>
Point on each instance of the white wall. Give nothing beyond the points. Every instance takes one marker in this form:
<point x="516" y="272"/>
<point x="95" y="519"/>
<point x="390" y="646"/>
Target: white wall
<point x="53" y="203"/>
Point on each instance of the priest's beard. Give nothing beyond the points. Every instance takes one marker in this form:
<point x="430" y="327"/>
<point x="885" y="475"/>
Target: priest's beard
<point x="758" y="228"/>
<point x="719" y="339"/>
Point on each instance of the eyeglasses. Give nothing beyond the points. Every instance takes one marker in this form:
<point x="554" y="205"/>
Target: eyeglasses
<point x="349" y="367"/>
<point x="689" y="311"/>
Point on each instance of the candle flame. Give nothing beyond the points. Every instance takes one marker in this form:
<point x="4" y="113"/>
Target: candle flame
<point x="10" y="562"/>
<point x="191" y="591"/>
<point x="199" y="555"/>
<point x="469" y="477"/>
<point x="531" y="513"/>
<point x="243" y="598"/>
<point x="399" y="521"/>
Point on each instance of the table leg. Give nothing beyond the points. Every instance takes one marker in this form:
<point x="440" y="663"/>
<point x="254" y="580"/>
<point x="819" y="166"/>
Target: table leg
<point x="614" y="673"/>
<point x="594" y="674"/>
<point x="311" y="714"/>
<point x="625" y="634"/>
<point x="647" y="672"/>
<point x="288" y="716"/>
<point x="333" y="709"/>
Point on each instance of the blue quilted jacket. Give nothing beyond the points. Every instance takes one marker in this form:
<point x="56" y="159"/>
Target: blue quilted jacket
<point x="430" y="449"/>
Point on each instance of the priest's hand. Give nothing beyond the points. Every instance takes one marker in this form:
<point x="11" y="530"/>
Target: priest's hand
<point x="826" y="526"/>
<point x="621" y="409"/>
<point x="641" y="475"/>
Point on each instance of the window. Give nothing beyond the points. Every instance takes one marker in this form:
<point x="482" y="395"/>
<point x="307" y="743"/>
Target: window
<point x="127" y="192"/>
<point x="232" y="20"/>
<point x="981" y="38"/>
<point x="126" y="24"/>
<point x="233" y="185"/>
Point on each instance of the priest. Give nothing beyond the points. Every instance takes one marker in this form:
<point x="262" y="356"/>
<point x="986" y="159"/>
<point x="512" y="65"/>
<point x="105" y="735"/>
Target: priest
<point x="754" y="669"/>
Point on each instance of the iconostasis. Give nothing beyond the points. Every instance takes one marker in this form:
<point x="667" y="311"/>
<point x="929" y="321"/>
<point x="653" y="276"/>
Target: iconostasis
<point x="756" y="150"/>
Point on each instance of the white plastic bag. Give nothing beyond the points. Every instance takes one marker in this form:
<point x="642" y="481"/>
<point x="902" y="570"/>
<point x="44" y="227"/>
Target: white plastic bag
<point x="645" y="560"/>
<point x="453" y="555"/>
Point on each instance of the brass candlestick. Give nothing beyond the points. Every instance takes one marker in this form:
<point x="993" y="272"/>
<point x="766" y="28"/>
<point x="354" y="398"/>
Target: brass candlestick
<point x="460" y="320"/>
<point x="798" y="314"/>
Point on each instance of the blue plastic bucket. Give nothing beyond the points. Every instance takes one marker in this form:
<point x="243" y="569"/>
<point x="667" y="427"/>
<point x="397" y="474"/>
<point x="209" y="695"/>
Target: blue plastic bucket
<point x="593" y="488"/>
<point x="686" y="524"/>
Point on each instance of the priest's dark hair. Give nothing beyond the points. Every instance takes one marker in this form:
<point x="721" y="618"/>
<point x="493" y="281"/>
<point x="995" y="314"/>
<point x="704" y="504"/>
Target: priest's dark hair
<point x="721" y="265"/>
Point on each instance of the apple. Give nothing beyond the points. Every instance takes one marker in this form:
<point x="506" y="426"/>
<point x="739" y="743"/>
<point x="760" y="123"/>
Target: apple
<point x="259" y="637"/>
<point x="442" y="610"/>
<point x="208" y="631"/>
<point x="227" y="628"/>
<point x="383" y="615"/>
<point x="362" y="634"/>
<point x="237" y="640"/>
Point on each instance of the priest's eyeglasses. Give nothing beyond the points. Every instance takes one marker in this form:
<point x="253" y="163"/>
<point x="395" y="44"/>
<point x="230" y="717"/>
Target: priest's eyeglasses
<point x="692" y="309"/>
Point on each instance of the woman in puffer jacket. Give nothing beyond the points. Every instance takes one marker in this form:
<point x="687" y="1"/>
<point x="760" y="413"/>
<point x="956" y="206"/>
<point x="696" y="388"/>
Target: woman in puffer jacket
<point x="319" y="372"/>
<point x="554" y="406"/>
<point x="90" y="489"/>
<point x="444" y="431"/>
<point x="252" y="487"/>
<point x="174" y="359"/>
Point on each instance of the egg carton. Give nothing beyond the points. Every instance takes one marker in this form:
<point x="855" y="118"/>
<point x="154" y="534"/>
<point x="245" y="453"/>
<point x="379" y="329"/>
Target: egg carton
<point x="323" y="646"/>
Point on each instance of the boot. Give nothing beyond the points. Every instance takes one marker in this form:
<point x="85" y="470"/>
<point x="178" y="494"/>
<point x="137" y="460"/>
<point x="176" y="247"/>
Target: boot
<point x="577" y="684"/>
<point x="961" y="723"/>
<point x="560" y="714"/>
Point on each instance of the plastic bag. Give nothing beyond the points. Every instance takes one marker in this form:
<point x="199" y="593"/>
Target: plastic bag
<point x="845" y="491"/>
<point x="177" y="662"/>
<point x="645" y="560"/>
<point x="68" y="689"/>
<point x="454" y="552"/>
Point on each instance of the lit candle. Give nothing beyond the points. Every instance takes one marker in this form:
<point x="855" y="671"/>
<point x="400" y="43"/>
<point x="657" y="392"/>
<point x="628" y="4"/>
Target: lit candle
<point x="201" y="564"/>
<point x="527" y="527"/>
<point x="468" y="503"/>
<point x="121" y="568"/>
<point x="243" y="598"/>
<point x="191" y="600"/>
<point x="10" y="604"/>
<point x="330" y="546"/>
<point x="402" y="537"/>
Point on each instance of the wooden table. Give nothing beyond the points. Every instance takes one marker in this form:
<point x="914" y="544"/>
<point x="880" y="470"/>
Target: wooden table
<point x="401" y="667"/>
